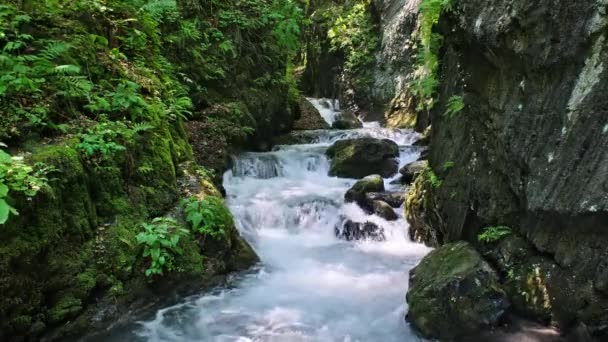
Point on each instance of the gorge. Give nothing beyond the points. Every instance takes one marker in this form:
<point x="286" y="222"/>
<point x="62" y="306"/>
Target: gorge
<point x="303" y="170"/>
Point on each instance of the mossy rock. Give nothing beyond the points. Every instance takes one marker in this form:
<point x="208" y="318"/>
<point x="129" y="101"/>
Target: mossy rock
<point x="372" y="183"/>
<point x="542" y="290"/>
<point x="357" y="158"/>
<point x="422" y="214"/>
<point x="413" y="169"/>
<point x="453" y="293"/>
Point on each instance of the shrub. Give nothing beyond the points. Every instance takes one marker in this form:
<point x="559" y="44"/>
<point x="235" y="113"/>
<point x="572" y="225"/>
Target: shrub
<point x="18" y="177"/>
<point x="425" y="85"/>
<point x="160" y="240"/>
<point x="209" y="216"/>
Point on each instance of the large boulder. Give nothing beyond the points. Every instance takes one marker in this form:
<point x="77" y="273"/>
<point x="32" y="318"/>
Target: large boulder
<point x="353" y="231"/>
<point x="384" y="210"/>
<point x="411" y="170"/>
<point x="310" y="118"/>
<point x="346" y="120"/>
<point x="357" y="158"/>
<point x="454" y="293"/>
<point x="393" y="198"/>
<point x="357" y="192"/>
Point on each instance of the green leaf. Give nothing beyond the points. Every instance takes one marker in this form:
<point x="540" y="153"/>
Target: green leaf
<point x="155" y="253"/>
<point x="4" y="211"/>
<point x="3" y="190"/>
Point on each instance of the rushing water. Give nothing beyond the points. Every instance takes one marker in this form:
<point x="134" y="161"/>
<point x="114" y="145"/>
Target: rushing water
<point x="310" y="285"/>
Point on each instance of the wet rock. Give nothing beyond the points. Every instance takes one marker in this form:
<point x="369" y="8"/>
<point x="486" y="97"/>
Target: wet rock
<point x="346" y="120"/>
<point x="353" y="231"/>
<point x="411" y="170"/>
<point x="453" y="293"/>
<point x="384" y="210"/>
<point x="538" y="287"/>
<point x="310" y="118"/>
<point x="395" y="199"/>
<point x="357" y="158"/>
<point x="422" y="213"/>
<point x="357" y="192"/>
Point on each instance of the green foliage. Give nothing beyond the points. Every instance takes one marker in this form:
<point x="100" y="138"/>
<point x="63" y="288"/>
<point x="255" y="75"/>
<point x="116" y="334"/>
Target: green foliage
<point x="160" y="240"/>
<point x="354" y="33"/>
<point x="494" y="233"/>
<point x="448" y="165"/>
<point x="105" y="138"/>
<point x="431" y="177"/>
<point x="426" y="82"/>
<point x="454" y="106"/>
<point x="18" y="177"/>
<point x="209" y="216"/>
<point x="32" y="70"/>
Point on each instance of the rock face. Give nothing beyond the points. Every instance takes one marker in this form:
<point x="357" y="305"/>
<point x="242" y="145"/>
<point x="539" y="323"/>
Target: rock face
<point x="411" y="170"/>
<point x="530" y="147"/>
<point x="353" y="231"/>
<point x="357" y="192"/>
<point x="396" y="61"/>
<point x="357" y="158"/>
<point x="453" y="293"/>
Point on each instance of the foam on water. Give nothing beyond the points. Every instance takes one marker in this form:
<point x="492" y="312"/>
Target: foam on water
<point x="310" y="285"/>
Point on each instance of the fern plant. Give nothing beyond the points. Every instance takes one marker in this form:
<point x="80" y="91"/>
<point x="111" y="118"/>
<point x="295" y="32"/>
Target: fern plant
<point x="494" y="233"/>
<point x="454" y="106"/>
<point x="160" y="240"/>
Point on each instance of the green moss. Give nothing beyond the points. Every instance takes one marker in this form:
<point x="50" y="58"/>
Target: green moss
<point x="190" y="262"/>
<point x="117" y="249"/>
<point x="66" y="308"/>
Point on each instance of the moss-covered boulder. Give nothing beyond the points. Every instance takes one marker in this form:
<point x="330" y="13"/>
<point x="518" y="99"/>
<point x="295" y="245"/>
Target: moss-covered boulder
<point x="422" y="213"/>
<point x="357" y="192"/>
<point x="453" y="293"/>
<point x="357" y="158"/>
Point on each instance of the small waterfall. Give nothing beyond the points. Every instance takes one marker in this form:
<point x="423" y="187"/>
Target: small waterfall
<point x="328" y="108"/>
<point x="311" y="285"/>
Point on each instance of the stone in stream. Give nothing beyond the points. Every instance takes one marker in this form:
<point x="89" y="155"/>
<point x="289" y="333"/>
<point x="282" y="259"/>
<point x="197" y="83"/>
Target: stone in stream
<point x="357" y="192"/>
<point x="393" y="198"/>
<point x="453" y="293"/>
<point x="384" y="210"/>
<point x="411" y="170"/>
<point x="346" y="120"/>
<point x="353" y="231"/>
<point x="357" y="158"/>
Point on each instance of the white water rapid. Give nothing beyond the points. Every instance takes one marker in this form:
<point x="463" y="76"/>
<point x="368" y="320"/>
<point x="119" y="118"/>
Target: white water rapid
<point x="310" y="285"/>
